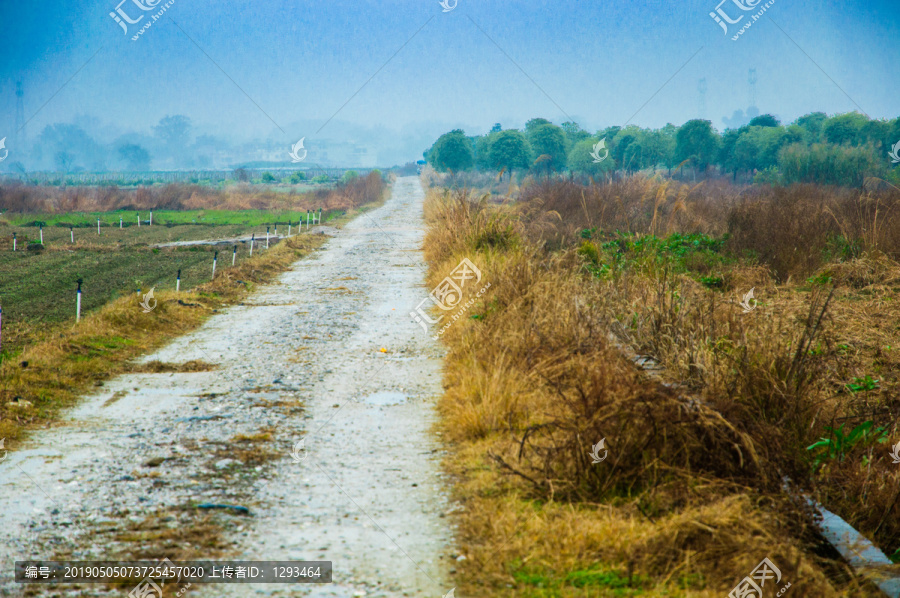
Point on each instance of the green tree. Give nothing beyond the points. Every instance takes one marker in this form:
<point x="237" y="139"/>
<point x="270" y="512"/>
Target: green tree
<point x="757" y="148"/>
<point x="574" y="134"/>
<point x="727" y="159"/>
<point x="764" y="120"/>
<point x="582" y="161"/>
<point x="483" y="151"/>
<point x="620" y="143"/>
<point x="510" y="150"/>
<point x="812" y="123"/>
<point x="829" y="164"/>
<point x="452" y="151"/>
<point x="698" y="142"/>
<point x="135" y="157"/>
<point x="549" y="140"/>
<point x="876" y="132"/>
<point x="534" y="123"/>
<point x="844" y="129"/>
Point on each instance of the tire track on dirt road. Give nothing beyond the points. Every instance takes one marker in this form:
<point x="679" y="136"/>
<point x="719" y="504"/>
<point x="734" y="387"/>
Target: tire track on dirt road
<point x="367" y="494"/>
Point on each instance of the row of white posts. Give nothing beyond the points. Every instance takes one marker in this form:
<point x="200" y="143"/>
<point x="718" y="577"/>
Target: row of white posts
<point x="311" y="216"/>
<point x="315" y="220"/>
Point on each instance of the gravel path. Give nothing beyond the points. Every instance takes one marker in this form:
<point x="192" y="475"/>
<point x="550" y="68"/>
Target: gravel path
<point x="328" y="354"/>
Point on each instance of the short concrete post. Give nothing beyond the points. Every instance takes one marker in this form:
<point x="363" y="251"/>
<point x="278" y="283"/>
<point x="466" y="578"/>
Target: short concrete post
<point x="78" y="302"/>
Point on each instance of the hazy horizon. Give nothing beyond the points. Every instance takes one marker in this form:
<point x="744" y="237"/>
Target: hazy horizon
<point x="392" y="76"/>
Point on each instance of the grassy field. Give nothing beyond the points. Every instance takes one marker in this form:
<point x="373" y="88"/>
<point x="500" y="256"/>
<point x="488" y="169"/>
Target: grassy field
<point x="38" y="287"/>
<point x="805" y="386"/>
<point x="37" y="283"/>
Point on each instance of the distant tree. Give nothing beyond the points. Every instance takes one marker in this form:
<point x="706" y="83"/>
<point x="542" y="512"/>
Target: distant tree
<point x="844" y="129"/>
<point x="549" y="140"/>
<point x="534" y="123"/>
<point x="646" y="151"/>
<point x="452" y="151"/>
<point x="620" y="143"/>
<point x="268" y="177"/>
<point x="764" y="120"/>
<point x="758" y="147"/>
<point x="698" y="142"/>
<point x="609" y="132"/>
<point x="726" y="157"/>
<point x="483" y="151"/>
<point x="894" y="135"/>
<point x="669" y="134"/>
<point x="496" y="128"/>
<point x="135" y="157"/>
<point x="829" y="164"/>
<point x="242" y="175"/>
<point x="574" y="134"/>
<point x="349" y="176"/>
<point x="812" y="123"/>
<point x="582" y="161"/>
<point x="70" y="147"/>
<point x="510" y="150"/>
<point x="175" y="133"/>
<point x="876" y="132"/>
<point x="64" y="161"/>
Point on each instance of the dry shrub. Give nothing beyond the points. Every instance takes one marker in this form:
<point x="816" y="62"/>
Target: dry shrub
<point x="791" y="230"/>
<point x="19" y="198"/>
<point x="537" y="376"/>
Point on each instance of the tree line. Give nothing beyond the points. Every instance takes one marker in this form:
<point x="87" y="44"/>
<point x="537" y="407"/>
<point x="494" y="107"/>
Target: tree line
<point x="843" y="149"/>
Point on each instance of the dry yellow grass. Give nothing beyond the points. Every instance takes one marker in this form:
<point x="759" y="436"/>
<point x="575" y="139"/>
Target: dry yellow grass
<point x="690" y="498"/>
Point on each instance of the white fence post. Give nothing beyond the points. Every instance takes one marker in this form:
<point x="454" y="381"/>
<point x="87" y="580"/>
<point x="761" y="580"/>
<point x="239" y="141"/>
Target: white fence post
<point x="78" y="303"/>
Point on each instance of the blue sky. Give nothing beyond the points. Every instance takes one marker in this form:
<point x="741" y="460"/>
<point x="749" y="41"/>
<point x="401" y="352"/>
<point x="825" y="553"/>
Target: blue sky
<point x="295" y="64"/>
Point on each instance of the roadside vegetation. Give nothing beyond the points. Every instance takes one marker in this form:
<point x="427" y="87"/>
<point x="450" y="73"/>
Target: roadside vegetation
<point x="48" y="360"/>
<point x="725" y="421"/>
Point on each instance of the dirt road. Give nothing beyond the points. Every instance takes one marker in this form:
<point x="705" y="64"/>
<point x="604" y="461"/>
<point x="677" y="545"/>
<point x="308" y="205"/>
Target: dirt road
<point x="329" y="354"/>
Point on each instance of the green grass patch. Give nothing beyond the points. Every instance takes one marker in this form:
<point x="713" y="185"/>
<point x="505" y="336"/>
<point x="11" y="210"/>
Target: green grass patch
<point x="539" y="582"/>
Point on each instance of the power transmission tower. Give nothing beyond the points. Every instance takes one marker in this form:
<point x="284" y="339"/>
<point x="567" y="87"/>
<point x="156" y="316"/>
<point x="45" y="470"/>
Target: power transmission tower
<point x="19" y="135"/>
<point x="752" y="80"/>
